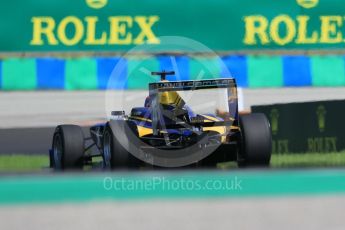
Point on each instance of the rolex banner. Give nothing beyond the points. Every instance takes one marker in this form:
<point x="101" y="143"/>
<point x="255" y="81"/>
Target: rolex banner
<point x="310" y="127"/>
<point x="221" y="25"/>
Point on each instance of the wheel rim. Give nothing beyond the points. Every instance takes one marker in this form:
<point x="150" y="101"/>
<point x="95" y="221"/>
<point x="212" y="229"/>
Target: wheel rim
<point x="57" y="150"/>
<point x="107" y="151"/>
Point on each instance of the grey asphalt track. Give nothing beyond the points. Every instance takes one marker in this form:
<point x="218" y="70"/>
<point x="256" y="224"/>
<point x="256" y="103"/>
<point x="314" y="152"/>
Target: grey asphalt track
<point x="27" y="119"/>
<point x="307" y="213"/>
<point x="27" y="140"/>
<point x="50" y="108"/>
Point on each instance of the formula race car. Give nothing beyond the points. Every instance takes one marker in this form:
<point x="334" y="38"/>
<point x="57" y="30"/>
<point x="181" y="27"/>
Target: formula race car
<point x="182" y="123"/>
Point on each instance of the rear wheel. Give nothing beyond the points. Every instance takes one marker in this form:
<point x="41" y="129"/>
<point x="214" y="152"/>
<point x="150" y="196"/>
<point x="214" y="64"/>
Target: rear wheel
<point x="68" y="147"/>
<point x="256" y="141"/>
<point x="115" y="155"/>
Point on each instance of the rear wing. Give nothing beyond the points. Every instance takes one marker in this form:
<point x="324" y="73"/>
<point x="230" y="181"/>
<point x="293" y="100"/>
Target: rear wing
<point x="157" y="111"/>
<point x="191" y="85"/>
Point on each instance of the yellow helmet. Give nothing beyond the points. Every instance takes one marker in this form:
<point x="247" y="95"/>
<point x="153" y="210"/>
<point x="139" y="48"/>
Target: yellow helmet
<point x="171" y="98"/>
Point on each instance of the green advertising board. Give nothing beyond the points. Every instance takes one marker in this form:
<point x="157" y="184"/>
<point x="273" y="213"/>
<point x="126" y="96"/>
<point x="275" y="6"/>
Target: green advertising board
<point x="306" y="127"/>
<point x="221" y="25"/>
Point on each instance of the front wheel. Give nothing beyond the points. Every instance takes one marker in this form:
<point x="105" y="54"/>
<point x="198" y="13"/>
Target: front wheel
<point x="256" y="142"/>
<point x="115" y="155"/>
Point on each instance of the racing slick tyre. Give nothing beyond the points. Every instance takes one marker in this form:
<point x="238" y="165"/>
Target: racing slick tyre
<point x="256" y="144"/>
<point x="68" y="147"/>
<point x="117" y="134"/>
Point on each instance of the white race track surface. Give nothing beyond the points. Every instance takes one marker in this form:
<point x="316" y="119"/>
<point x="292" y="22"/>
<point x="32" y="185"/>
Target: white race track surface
<point x="50" y="108"/>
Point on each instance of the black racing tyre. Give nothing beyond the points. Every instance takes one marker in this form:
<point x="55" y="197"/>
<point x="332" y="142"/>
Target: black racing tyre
<point x="68" y="147"/>
<point x="256" y="142"/>
<point x="115" y="155"/>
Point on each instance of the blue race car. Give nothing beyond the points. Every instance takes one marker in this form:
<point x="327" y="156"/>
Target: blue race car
<point x="176" y="127"/>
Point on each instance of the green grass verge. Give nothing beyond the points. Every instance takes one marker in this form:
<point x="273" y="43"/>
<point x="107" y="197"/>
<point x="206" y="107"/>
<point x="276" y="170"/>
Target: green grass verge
<point x="308" y="160"/>
<point x="299" y="160"/>
<point x="25" y="163"/>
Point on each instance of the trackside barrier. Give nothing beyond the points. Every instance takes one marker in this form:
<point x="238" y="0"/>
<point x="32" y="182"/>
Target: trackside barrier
<point x="93" y="73"/>
<point x="310" y="127"/>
